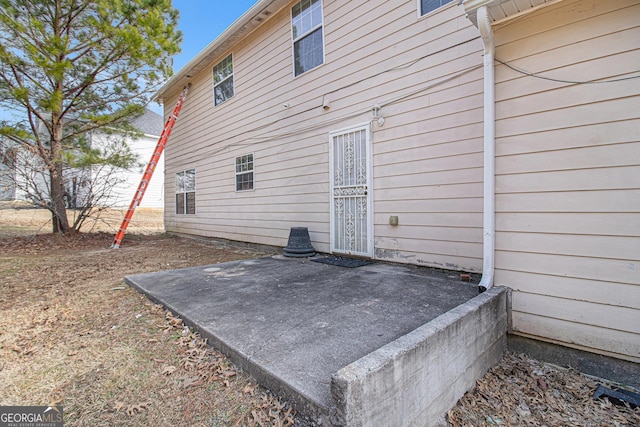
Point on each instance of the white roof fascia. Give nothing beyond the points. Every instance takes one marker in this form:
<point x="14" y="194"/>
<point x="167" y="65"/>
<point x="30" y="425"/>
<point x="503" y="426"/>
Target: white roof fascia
<point x="503" y="10"/>
<point x="242" y="27"/>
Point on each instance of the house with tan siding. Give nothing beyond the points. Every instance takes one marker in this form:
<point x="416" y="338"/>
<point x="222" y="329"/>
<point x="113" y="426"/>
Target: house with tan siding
<point x="493" y="136"/>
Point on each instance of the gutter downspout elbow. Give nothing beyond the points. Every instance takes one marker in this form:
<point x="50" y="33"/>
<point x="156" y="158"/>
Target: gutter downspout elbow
<point x="488" y="242"/>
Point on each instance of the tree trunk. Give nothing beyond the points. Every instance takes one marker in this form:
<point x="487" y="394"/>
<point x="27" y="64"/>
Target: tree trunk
<point x="58" y="192"/>
<point x="58" y="207"/>
<point x="59" y="219"/>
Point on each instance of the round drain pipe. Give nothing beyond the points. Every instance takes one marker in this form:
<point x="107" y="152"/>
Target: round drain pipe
<point x="489" y="208"/>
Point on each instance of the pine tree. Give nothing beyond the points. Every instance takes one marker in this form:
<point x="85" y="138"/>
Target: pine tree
<point x="71" y="67"/>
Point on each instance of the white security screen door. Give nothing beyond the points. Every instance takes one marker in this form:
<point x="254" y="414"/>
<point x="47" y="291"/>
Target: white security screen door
<point x="351" y="216"/>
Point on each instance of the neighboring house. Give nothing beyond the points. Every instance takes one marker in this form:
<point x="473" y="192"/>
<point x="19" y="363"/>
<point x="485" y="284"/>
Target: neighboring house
<point x="79" y="182"/>
<point x="341" y="116"/>
<point x="150" y="124"/>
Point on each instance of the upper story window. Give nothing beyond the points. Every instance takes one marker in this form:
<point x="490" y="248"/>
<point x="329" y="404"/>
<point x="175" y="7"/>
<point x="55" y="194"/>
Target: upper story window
<point x="186" y="192"/>
<point x="244" y="172"/>
<point x="306" y="27"/>
<point x="223" y="80"/>
<point x="427" y="6"/>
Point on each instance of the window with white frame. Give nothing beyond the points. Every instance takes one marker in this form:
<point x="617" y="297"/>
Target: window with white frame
<point x="186" y="192"/>
<point x="306" y="27"/>
<point x="223" y="80"/>
<point x="427" y="6"/>
<point x="244" y="172"/>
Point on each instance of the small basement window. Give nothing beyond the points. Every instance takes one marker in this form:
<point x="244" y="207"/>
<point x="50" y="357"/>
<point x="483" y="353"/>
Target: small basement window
<point x="223" y="80"/>
<point x="244" y="172"/>
<point x="186" y="192"/>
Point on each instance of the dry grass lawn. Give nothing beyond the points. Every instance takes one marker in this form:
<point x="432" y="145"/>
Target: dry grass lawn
<point x="18" y="219"/>
<point x="71" y="331"/>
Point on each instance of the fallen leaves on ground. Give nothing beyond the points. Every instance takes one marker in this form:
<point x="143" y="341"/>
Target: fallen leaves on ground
<point x="271" y="412"/>
<point x="521" y="391"/>
<point x="70" y="325"/>
<point x="206" y="366"/>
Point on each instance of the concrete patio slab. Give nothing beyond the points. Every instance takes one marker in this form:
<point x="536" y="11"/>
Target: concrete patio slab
<point x="294" y="323"/>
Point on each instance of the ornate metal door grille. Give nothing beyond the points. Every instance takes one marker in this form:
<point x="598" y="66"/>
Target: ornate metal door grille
<point x="350" y="195"/>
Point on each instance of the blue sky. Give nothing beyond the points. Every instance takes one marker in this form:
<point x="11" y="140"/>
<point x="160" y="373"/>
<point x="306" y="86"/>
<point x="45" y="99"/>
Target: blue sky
<point x="201" y="21"/>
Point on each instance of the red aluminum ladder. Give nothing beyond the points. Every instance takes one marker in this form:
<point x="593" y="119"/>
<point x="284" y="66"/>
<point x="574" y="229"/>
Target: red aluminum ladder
<point x="151" y="167"/>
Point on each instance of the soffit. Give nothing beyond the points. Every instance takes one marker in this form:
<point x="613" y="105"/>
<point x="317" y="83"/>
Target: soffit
<point x="500" y="10"/>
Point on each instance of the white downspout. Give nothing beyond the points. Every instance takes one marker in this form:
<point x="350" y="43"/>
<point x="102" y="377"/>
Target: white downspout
<point x="489" y="207"/>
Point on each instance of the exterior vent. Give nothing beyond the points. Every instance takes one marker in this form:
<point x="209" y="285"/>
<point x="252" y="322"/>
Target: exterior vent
<point x="299" y="245"/>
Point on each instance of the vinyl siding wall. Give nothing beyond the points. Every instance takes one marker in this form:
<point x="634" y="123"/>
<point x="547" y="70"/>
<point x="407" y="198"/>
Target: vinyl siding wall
<point x="427" y="157"/>
<point x="568" y="175"/>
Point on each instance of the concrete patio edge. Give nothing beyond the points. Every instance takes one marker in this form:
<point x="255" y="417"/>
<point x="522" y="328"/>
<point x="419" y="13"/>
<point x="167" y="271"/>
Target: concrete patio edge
<point x="397" y="346"/>
<point x="312" y="411"/>
<point x="416" y="379"/>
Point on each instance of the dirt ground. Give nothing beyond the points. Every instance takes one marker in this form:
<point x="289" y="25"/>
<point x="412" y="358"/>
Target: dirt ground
<point x="72" y="332"/>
